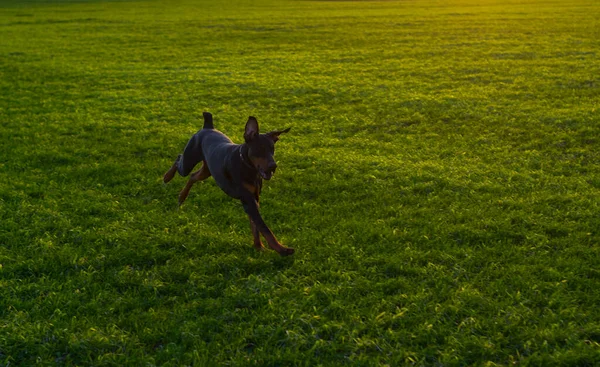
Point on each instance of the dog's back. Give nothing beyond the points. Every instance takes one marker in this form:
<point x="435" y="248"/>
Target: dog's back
<point x="207" y="144"/>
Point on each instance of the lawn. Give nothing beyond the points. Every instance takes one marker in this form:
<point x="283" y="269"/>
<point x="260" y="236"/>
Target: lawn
<point x="440" y="183"/>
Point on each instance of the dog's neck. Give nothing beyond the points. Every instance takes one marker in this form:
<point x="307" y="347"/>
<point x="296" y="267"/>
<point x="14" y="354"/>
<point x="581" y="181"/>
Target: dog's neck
<point x="244" y="157"/>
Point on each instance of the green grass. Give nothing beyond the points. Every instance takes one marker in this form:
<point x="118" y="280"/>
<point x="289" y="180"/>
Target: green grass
<point x="441" y="183"/>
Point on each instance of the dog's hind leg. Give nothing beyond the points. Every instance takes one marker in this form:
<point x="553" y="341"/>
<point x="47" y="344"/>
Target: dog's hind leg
<point x="202" y="174"/>
<point x="185" y="163"/>
<point x="171" y="172"/>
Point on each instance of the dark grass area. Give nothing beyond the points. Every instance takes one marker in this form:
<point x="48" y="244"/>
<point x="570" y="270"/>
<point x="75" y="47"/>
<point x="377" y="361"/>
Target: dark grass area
<point x="440" y="183"/>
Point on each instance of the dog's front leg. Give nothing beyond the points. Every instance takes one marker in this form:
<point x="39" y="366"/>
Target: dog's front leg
<point x="251" y="208"/>
<point x="256" y="236"/>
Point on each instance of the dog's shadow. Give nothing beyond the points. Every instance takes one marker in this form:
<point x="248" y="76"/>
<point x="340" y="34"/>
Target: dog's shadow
<point x="265" y="262"/>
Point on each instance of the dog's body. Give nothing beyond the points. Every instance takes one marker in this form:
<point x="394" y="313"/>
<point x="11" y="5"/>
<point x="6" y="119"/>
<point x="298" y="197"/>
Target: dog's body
<point x="237" y="169"/>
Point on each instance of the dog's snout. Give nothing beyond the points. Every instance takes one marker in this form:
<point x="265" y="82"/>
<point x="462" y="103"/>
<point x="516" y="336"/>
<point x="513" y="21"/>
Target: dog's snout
<point x="272" y="166"/>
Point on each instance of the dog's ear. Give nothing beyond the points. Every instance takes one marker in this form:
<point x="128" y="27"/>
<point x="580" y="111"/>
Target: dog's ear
<point x="251" y="131"/>
<point x="274" y="135"/>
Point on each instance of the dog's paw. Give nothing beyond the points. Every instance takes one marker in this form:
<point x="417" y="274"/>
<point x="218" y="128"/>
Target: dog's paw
<point x="287" y="251"/>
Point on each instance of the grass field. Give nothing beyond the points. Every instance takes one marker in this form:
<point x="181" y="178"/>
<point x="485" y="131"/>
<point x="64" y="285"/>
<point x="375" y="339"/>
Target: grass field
<point x="440" y="184"/>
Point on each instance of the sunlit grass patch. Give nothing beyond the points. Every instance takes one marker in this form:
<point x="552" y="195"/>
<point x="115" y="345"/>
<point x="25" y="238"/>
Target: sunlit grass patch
<point x="440" y="183"/>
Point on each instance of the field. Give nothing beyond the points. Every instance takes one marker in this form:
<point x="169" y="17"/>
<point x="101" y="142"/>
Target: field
<point x="440" y="183"/>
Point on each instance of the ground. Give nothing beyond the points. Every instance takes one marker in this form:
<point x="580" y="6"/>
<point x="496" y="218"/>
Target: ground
<point x="440" y="183"/>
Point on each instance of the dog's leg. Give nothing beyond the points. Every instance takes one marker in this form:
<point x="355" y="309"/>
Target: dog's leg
<point x="255" y="190"/>
<point x="256" y="235"/>
<point x="202" y="174"/>
<point x="251" y="208"/>
<point x="274" y="243"/>
<point x="171" y="172"/>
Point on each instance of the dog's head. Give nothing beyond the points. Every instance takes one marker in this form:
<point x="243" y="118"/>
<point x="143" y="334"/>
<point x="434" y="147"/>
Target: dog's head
<point x="261" y="148"/>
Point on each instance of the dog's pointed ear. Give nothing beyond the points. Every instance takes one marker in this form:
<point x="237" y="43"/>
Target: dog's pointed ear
<point x="274" y="135"/>
<point x="251" y="131"/>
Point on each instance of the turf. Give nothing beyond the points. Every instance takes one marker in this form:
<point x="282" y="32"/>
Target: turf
<point x="440" y="183"/>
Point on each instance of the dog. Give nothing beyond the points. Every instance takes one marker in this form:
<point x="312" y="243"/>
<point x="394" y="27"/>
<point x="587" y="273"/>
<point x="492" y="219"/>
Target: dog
<point x="238" y="169"/>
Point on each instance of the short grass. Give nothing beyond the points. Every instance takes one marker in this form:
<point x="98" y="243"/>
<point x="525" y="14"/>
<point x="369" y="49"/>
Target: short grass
<point x="441" y="183"/>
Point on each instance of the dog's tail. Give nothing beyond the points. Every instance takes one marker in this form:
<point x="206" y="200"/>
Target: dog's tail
<point x="208" y="123"/>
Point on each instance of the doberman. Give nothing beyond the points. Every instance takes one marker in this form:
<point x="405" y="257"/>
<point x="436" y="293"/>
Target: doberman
<point x="237" y="169"/>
